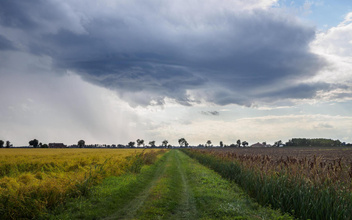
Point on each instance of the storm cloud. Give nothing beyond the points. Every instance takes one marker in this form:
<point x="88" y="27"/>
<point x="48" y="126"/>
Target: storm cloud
<point x="6" y="44"/>
<point x="223" y="52"/>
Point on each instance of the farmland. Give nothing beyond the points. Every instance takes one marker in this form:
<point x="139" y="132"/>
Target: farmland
<point x="175" y="187"/>
<point x="310" y="183"/>
<point x="214" y="183"/>
<point x="33" y="181"/>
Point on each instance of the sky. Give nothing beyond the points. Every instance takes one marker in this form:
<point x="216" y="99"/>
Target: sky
<point x="113" y="71"/>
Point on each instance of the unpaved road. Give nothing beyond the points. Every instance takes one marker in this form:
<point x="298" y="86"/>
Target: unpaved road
<point x="176" y="187"/>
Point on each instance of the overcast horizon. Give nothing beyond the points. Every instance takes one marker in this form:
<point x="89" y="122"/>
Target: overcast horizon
<point x="111" y="72"/>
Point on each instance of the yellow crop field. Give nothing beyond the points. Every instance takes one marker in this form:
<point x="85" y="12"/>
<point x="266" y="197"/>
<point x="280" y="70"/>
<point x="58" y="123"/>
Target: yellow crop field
<point x="34" y="180"/>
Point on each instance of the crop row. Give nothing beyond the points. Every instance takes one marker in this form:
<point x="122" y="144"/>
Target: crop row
<point x="307" y="188"/>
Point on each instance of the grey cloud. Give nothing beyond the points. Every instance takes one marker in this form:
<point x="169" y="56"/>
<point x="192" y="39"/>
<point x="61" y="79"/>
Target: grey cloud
<point x="15" y="14"/>
<point x="300" y="91"/>
<point x="344" y="95"/>
<point x="213" y="113"/>
<point x="6" y="44"/>
<point x="140" y="48"/>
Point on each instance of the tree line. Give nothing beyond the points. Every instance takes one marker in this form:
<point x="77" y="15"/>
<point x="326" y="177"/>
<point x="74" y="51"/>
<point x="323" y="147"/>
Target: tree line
<point x="315" y="142"/>
<point x="294" y="142"/>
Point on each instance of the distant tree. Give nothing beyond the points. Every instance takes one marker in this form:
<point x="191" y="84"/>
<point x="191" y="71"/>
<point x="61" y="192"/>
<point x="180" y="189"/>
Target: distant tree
<point x="8" y="144"/>
<point x="183" y="142"/>
<point x="140" y="142"/>
<point x="131" y="144"/>
<point x="264" y="143"/>
<point x="1" y="143"/>
<point x="186" y="144"/>
<point x="278" y="143"/>
<point x="34" y="143"/>
<point x="315" y="142"/>
<point x="238" y="143"/>
<point x="208" y="143"/>
<point x="152" y="143"/>
<point x="221" y="144"/>
<point x="81" y="143"/>
<point x="245" y="144"/>
<point x="44" y="146"/>
<point x="164" y="143"/>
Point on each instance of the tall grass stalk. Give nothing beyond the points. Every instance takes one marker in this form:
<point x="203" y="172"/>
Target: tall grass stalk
<point x="292" y="194"/>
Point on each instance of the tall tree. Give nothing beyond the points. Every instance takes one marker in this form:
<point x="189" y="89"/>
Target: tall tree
<point x="164" y="143"/>
<point x="152" y="143"/>
<point x="239" y="143"/>
<point x="140" y="142"/>
<point x="34" y="143"/>
<point x="131" y="144"/>
<point x="1" y="143"/>
<point x="208" y="144"/>
<point x="186" y="143"/>
<point x="81" y="143"/>
<point x="8" y="144"/>
<point x="182" y="142"/>
<point x="221" y="144"/>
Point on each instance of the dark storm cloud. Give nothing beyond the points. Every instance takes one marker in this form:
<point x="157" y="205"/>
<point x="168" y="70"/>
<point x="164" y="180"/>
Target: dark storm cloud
<point x="5" y="44"/>
<point x="231" y="55"/>
<point x="15" y="14"/>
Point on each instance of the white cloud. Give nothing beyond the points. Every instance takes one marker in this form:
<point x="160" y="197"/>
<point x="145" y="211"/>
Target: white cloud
<point x="265" y="128"/>
<point x="337" y="40"/>
<point x="336" y="46"/>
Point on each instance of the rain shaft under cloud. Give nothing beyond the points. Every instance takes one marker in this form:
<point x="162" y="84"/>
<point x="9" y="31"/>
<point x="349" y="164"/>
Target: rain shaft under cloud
<point x="224" y="52"/>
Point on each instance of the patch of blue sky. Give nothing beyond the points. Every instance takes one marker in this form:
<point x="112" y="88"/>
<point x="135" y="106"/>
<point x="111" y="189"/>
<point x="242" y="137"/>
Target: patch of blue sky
<point x="324" y="14"/>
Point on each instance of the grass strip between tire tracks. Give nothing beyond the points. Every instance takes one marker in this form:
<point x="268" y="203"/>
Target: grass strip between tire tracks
<point x="175" y="187"/>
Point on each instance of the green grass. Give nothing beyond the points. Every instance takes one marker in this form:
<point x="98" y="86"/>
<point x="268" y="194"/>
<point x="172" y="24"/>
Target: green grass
<point x="217" y="198"/>
<point x="109" y="197"/>
<point x="175" y="187"/>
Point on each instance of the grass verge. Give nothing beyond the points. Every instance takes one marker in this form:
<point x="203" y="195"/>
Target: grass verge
<point x="218" y="198"/>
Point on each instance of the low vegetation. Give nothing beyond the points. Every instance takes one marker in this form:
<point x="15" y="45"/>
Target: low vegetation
<point x="33" y="181"/>
<point x="308" y="187"/>
<point x="175" y="187"/>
